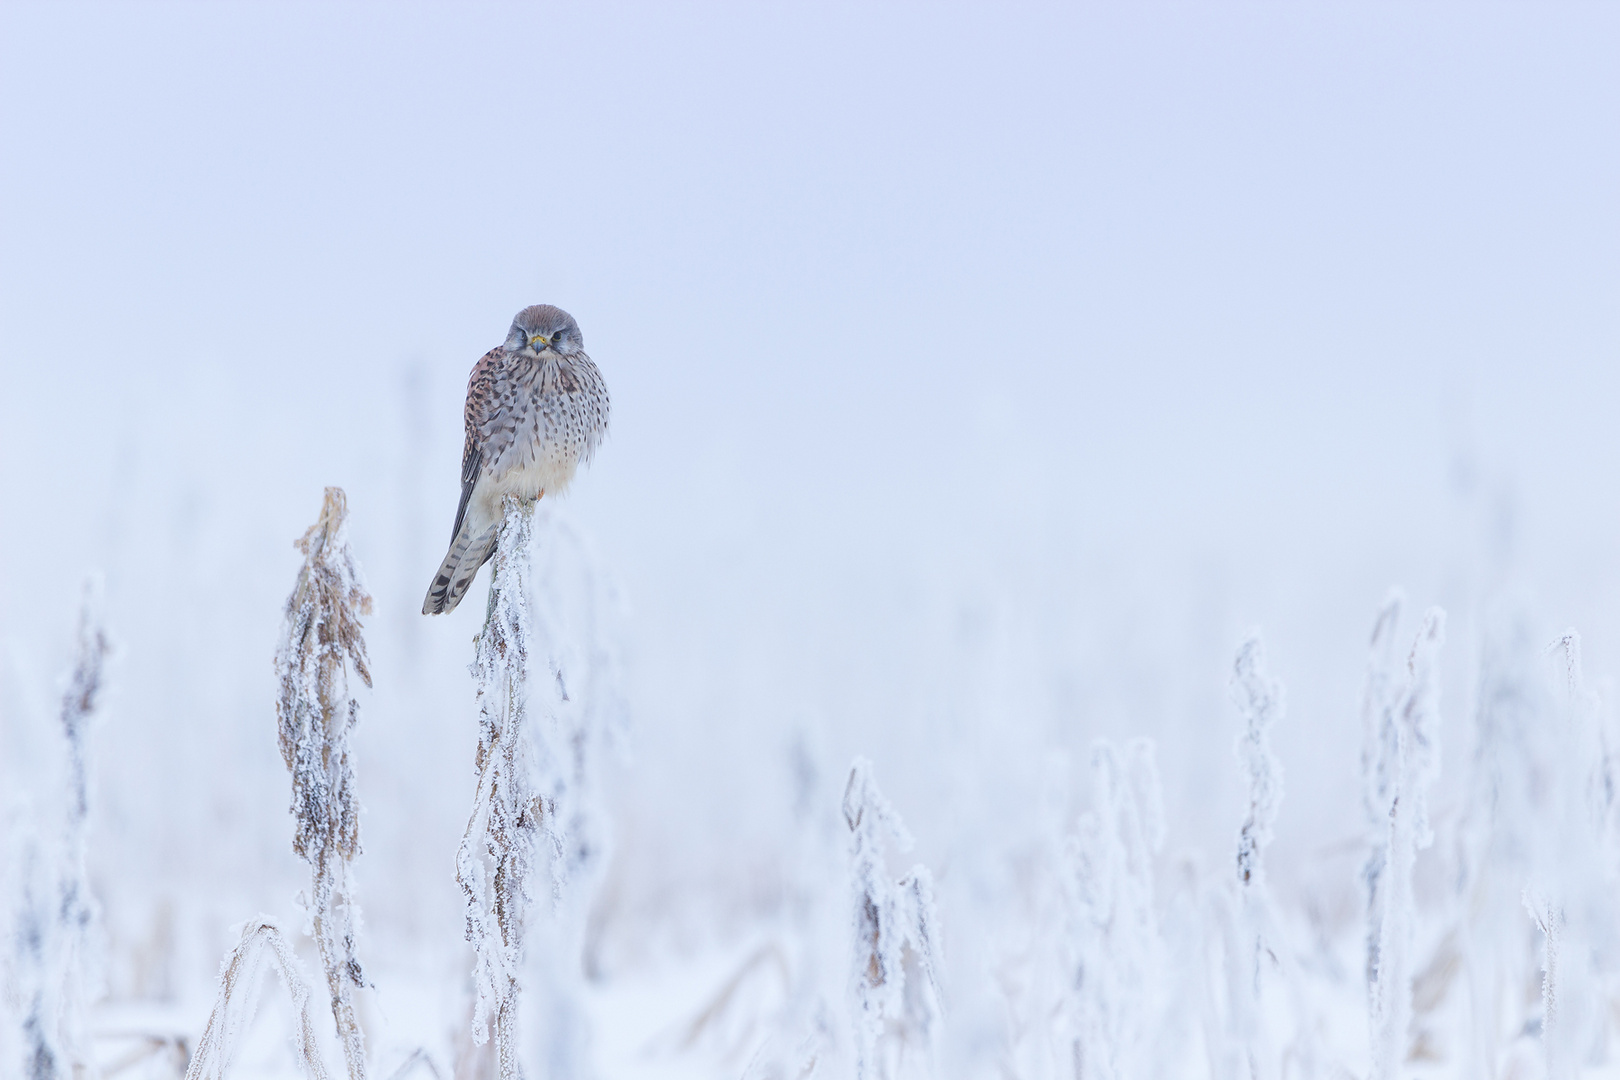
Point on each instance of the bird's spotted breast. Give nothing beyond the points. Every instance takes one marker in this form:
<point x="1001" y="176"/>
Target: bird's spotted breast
<point x="544" y="415"/>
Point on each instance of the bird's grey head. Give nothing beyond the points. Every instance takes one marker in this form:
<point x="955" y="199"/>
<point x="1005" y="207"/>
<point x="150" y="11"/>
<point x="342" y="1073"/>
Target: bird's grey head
<point x="544" y="327"/>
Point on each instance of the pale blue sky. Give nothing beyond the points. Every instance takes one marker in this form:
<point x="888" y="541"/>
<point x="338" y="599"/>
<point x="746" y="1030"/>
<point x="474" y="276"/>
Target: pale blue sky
<point x="1143" y="322"/>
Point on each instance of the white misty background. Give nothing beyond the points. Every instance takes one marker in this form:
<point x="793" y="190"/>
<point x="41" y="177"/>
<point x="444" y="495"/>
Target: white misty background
<point x="980" y="379"/>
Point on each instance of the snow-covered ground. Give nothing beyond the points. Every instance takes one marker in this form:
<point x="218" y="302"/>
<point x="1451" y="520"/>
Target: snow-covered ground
<point x="982" y="380"/>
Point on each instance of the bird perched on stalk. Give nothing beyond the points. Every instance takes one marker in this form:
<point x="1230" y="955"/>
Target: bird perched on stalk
<point x="536" y="408"/>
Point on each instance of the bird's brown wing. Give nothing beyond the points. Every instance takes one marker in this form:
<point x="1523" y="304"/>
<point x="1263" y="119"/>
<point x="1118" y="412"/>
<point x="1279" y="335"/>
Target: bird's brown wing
<point x="481" y="400"/>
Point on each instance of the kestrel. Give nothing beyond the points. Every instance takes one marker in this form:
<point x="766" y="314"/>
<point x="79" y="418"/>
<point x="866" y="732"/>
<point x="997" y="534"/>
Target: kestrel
<point x="536" y="408"/>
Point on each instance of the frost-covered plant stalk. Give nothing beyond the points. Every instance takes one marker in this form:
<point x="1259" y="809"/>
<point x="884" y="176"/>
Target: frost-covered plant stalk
<point x="1379" y="744"/>
<point x="546" y="675"/>
<point x="1115" y="954"/>
<point x="31" y="970"/>
<point x="78" y="907"/>
<point x="239" y="981"/>
<point x="496" y="859"/>
<point x="51" y="963"/>
<point x="1415" y="765"/>
<point x="803" y="1032"/>
<point x="1571" y="896"/>
<point x="896" y="935"/>
<point x="321" y="642"/>
<point x="1259" y="700"/>
<point x="1504" y="841"/>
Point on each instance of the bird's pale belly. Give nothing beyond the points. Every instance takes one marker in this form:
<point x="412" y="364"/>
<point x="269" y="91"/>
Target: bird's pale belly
<point x="549" y="476"/>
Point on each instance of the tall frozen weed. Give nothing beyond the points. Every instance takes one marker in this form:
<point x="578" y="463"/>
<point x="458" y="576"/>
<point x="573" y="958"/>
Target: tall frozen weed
<point x="33" y="969"/>
<point x="1113" y="948"/>
<point x="322" y="641"/>
<point x="1259" y="699"/>
<point x="546" y="675"/>
<point x="51" y="968"/>
<point x="511" y="818"/>
<point x="1243" y="921"/>
<point x="1511" y="780"/>
<point x="1537" y="839"/>
<point x="803" y="1032"/>
<point x="895" y="1004"/>
<point x="1404" y="799"/>
<point x="1379" y="755"/>
<point x="575" y="612"/>
<point x="1570" y="897"/>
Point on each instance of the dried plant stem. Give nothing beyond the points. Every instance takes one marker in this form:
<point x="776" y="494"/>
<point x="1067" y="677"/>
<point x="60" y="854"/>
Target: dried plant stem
<point x="334" y="938"/>
<point x="236" y="1001"/>
<point x="895" y="923"/>
<point x="1416" y="762"/>
<point x="77" y="905"/>
<point x="495" y="860"/>
<point x="322" y="641"/>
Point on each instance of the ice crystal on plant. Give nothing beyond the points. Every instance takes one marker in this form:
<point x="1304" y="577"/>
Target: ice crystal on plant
<point x="51" y="966"/>
<point x="1260" y="699"/>
<point x="511" y="819"/>
<point x="895" y="983"/>
<point x="1113" y="946"/>
<point x="240" y="976"/>
<point x="321" y="642"/>
<point x="1416" y="763"/>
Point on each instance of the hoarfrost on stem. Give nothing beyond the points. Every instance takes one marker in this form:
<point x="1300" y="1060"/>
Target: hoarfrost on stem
<point x="1242" y="912"/>
<point x="321" y="641"/>
<point x="1260" y="699"/>
<point x="894" y="1000"/>
<point x="1379" y="741"/>
<point x="1416" y="763"/>
<point x="50" y="971"/>
<point x="1570" y="894"/>
<point x="33" y="982"/>
<point x="1502" y="840"/>
<point x="80" y="705"/>
<point x="545" y="672"/>
<point x="239" y="982"/>
<point x="1113" y="947"/>
<point x="496" y="859"/>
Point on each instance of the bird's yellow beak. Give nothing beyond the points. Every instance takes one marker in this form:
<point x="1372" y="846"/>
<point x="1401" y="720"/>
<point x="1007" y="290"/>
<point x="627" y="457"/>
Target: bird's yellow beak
<point x="542" y="339"/>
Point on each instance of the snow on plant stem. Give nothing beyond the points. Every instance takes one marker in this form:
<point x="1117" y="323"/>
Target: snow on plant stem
<point x="1379" y="747"/>
<point x="896" y="926"/>
<point x="1570" y="896"/>
<point x="495" y="861"/>
<point x="1249" y="923"/>
<point x="1115" y="954"/>
<point x="1260" y="699"/>
<point x="238" y="999"/>
<point x="78" y="907"/>
<point x="321" y="641"/>
<point x="32" y="986"/>
<point x="49" y="969"/>
<point x="1416" y="763"/>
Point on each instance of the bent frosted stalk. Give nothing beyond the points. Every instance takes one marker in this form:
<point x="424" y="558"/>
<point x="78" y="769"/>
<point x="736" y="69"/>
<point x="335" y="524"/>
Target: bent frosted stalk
<point x="238" y="997"/>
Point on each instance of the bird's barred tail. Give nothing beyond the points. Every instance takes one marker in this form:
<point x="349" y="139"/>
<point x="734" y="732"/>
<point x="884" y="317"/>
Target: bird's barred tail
<point x="470" y="550"/>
